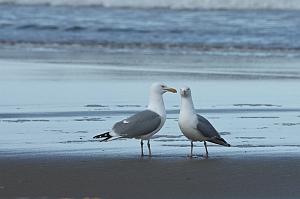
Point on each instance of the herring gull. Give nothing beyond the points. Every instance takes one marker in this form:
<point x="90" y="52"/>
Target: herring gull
<point x="143" y="125"/>
<point x="194" y="126"/>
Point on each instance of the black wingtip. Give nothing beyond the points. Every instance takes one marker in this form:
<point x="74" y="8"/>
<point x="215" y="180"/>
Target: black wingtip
<point x="219" y="140"/>
<point x="103" y="135"/>
<point x="225" y="143"/>
<point x="104" y="140"/>
<point x="97" y="136"/>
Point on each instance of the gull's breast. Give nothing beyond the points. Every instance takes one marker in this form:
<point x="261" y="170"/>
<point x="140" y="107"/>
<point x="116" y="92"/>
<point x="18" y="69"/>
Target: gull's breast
<point x="188" y="126"/>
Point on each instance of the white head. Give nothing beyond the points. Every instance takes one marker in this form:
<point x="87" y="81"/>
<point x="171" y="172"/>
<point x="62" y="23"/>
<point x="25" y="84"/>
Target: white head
<point x="185" y="92"/>
<point x="156" y="102"/>
<point x="159" y="88"/>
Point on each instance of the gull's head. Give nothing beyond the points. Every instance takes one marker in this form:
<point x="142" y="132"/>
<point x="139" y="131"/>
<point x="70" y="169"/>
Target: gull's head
<point x="160" y="88"/>
<point x="185" y="92"/>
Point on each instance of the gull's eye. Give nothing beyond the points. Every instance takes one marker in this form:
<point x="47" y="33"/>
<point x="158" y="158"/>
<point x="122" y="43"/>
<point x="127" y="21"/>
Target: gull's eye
<point x="163" y="86"/>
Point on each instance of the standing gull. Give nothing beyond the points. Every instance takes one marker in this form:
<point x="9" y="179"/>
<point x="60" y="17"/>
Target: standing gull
<point x="143" y="125"/>
<point x="194" y="126"/>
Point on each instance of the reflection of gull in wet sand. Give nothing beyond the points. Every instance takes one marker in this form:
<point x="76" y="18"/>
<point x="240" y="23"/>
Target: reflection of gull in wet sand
<point x="143" y="125"/>
<point x="194" y="126"/>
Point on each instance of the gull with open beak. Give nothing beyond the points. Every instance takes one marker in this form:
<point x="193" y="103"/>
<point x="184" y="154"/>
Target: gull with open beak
<point x="143" y="125"/>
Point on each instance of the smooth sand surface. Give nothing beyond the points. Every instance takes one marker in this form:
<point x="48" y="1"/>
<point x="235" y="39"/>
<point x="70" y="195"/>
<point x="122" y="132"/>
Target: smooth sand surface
<point x="78" y="177"/>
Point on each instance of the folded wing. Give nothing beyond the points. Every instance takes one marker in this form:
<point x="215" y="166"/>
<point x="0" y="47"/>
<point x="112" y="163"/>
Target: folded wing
<point x="205" y="127"/>
<point x="139" y="124"/>
<point x="207" y="130"/>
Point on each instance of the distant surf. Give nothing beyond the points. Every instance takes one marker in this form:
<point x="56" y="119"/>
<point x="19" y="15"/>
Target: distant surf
<point x="171" y="4"/>
<point x="260" y="33"/>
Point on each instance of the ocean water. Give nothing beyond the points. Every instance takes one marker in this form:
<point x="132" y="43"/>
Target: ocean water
<point x="268" y="28"/>
<point x="185" y="4"/>
<point x="71" y="69"/>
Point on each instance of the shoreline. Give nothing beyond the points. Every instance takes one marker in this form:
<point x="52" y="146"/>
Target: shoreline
<point x="130" y="150"/>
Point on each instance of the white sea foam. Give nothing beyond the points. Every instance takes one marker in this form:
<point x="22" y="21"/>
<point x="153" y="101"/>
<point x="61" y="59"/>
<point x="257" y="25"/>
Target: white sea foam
<point x="172" y="4"/>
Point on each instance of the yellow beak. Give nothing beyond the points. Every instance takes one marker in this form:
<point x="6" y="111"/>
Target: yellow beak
<point x="172" y="90"/>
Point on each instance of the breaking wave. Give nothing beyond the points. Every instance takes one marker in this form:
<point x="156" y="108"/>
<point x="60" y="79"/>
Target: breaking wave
<point x="171" y="4"/>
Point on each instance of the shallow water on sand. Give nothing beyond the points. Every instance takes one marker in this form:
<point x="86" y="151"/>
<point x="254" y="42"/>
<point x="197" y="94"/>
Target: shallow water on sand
<point x="58" y="107"/>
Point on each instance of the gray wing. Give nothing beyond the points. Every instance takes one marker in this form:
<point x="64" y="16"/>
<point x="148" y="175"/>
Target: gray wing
<point x="205" y="127"/>
<point x="137" y="125"/>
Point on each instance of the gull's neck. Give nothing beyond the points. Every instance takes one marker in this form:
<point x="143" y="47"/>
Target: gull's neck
<point x="187" y="106"/>
<point x="156" y="104"/>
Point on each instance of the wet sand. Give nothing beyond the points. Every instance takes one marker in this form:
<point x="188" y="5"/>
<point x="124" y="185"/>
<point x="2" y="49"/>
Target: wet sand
<point x="102" y="177"/>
